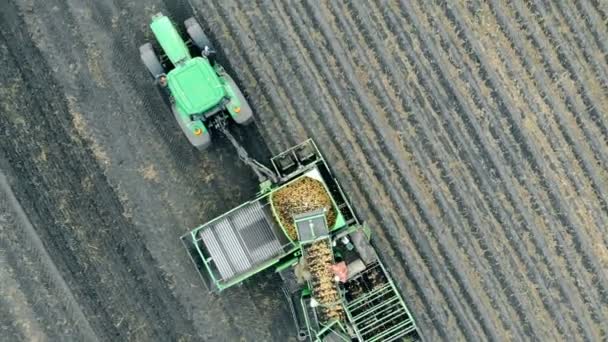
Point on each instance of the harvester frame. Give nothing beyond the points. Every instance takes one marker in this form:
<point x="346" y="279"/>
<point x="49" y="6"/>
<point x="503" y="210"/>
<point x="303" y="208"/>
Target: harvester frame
<point x="249" y="239"/>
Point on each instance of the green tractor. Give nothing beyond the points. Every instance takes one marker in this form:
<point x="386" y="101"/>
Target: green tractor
<point x="201" y="93"/>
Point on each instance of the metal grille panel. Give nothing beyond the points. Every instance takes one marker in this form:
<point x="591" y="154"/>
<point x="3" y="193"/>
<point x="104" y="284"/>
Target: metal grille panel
<point x="240" y="241"/>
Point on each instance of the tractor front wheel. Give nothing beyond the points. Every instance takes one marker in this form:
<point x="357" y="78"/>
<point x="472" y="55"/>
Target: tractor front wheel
<point x="196" y="33"/>
<point x="150" y="60"/>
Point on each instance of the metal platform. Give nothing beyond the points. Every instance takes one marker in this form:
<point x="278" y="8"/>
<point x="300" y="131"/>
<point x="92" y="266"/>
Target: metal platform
<point x="379" y="313"/>
<point x="240" y="241"/>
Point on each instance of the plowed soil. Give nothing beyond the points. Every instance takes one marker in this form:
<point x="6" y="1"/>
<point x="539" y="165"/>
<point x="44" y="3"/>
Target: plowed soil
<point x="472" y="137"/>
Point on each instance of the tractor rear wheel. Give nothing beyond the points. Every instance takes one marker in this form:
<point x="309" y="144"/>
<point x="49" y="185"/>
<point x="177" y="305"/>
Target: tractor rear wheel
<point x="201" y="142"/>
<point x="150" y="60"/>
<point x="245" y="116"/>
<point x="196" y="33"/>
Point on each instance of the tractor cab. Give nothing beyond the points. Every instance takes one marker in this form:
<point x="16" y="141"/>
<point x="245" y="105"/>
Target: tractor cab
<point x="196" y="87"/>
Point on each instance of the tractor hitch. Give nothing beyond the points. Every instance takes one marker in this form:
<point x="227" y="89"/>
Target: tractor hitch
<point x="266" y="176"/>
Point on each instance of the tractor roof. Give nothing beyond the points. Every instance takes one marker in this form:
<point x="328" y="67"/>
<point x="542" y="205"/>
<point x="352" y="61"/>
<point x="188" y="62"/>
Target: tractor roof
<point x="195" y="86"/>
<point x="169" y="39"/>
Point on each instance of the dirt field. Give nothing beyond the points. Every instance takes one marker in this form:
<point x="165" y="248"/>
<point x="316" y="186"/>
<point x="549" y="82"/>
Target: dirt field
<point x="472" y="137"/>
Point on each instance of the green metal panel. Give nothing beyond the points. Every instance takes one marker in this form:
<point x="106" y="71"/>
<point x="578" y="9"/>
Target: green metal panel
<point x="195" y="86"/>
<point x="336" y="329"/>
<point x="287" y="264"/>
<point x="169" y="39"/>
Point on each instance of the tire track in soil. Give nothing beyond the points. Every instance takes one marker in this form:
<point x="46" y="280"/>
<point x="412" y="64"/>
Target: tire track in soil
<point x="103" y="16"/>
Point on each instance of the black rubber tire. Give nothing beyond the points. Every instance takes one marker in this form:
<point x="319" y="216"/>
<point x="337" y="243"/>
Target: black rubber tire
<point x="198" y="36"/>
<point x="201" y="142"/>
<point x="150" y="60"/>
<point x="302" y="335"/>
<point x="245" y="117"/>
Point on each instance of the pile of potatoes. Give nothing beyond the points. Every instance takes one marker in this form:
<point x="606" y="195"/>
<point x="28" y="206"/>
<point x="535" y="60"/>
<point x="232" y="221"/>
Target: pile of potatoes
<point x="325" y="291"/>
<point x="304" y="195"/>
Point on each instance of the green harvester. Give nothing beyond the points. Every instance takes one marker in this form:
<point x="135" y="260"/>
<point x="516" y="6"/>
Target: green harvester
<point x="251" y="238"/>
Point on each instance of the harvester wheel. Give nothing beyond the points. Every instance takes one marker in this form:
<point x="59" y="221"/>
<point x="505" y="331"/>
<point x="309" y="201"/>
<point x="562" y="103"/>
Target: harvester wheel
<point x="302" y="335"/>
<point x="195" y="31"/>
<point x="150" y="60"/>
<point x="245" y="115"/>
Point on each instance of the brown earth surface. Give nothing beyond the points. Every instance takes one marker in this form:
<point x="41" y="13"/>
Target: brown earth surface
<point x="472" y="137"/>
